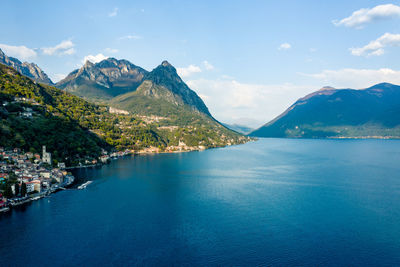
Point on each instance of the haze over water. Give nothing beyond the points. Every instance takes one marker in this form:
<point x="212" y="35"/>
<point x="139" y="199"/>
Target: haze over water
<point x="270" y="202"/>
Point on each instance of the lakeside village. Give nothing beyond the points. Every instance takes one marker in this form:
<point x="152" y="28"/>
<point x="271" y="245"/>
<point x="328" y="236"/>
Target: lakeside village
<point x="25" y="177"/>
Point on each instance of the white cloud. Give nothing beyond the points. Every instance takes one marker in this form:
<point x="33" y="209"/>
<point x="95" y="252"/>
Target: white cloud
<point x="94" y="59"/>
<point x="64" y="48"/>
<point x="113" y="13"/>
<point x="231" y="101"/>
<point x="208" y="65"/>
<point x="130" y="37"/>
<point x="376" y="47"/>
<point x="189" y="70"/>
<point x="367" y="15"/>
<point x="284" y="46"/>
<point x="21" y="52"/>
<point x="356" y="78"/>
<point x="111" y="50"/>
<point x="57" y="77"/>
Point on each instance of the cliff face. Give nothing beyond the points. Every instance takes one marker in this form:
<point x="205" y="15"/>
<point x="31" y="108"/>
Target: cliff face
<point x="30" y="70"/>
<point x="103" y="80"/>
<point x="164" y="84"/>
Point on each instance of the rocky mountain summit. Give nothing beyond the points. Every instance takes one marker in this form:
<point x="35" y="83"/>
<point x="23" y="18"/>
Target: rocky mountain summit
<point x="30" y="70"/>
<point x="163" y="87"/>
<point x="103" y="80"/>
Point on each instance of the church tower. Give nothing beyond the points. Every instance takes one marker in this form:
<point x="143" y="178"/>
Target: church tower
<point x="46" y="156"/>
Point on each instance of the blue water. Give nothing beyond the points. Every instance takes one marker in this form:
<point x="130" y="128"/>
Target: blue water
<point x="272" y="202"/>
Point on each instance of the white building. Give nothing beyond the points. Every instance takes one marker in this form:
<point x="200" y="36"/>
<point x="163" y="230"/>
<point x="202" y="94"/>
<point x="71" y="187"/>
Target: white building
<point x="46" y="156"/>
<point x="30" y="187"/>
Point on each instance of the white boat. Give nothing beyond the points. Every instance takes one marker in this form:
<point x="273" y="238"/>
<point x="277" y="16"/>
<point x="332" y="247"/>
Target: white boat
<point x="83" y="186"/>
<point x="5" y="209"/>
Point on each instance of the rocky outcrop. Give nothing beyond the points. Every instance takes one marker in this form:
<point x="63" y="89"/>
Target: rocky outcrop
<point x="30" y="70"/>
<point x="103" y="80"/>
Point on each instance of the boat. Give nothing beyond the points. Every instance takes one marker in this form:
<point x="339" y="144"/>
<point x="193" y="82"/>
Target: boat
<point x="83" y="186"/>
<point x="5" y="209"/>
<point x="20" y="202"/>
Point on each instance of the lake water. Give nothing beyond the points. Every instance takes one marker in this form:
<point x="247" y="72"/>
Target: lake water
<point x="270" y="202"/>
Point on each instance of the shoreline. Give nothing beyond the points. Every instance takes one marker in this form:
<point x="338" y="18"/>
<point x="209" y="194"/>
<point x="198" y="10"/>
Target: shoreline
<point x="71" y="179"/>
<point x="337" y="138"/>
<point x="28" y="199"/>
<point x="150" y="151"/>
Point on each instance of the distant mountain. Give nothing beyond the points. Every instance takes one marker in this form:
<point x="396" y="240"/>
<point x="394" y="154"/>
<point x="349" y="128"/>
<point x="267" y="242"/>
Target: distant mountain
<point x="30" y="70"/>
<point x="161" y="93"/>
<point x="329" y="112"/>
<point x="103" y="80"/>
<point x="239" y="128"/>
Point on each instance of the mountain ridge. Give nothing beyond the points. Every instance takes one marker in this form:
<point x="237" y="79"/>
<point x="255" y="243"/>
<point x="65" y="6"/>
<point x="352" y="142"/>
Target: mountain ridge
<point x="103" y="80"/>
<point x="163" y="84"/>
<point x="78" y="129"/>
<point x="339" y="113"/>
<point x="30" y="70"/>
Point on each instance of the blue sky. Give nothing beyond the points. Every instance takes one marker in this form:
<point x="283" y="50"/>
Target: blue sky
<point x="248" y="60"/>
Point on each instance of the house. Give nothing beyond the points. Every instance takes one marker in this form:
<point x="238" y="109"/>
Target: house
<point x="26" y="115"/>
<point x="61" y="165"/>
<point x="30" y="187"/>
<point x="104" y="158"/>
<point x="45" y="174"/>
<point x="36" y="185"/>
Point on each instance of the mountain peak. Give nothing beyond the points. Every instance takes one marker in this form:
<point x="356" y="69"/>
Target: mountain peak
<point x="325" y="88"/>
<point x="104" y="79"/>
<point x="166" y="64"/>
<point x="30" y="70"/>
<point x="165" y="76"/>
<point x="88" y="64"/>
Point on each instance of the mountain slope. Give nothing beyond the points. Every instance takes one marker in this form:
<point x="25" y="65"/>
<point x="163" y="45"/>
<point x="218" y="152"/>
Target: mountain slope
<point x="162" y="93"/>
<point x="179" y="112"/>
<point x="329" y="112"/>
<point x="76" y="130"/>
<point x="158" y="98"/>
<point x="30" y="70"/>
<point x="103" y="80"/>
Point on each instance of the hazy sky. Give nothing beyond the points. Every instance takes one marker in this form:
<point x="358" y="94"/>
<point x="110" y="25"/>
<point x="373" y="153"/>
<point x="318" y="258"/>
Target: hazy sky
<point x="248" y="60"/>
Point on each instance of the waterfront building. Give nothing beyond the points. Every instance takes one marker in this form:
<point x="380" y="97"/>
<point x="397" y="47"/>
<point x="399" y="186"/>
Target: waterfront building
<point x="30" y="187"/>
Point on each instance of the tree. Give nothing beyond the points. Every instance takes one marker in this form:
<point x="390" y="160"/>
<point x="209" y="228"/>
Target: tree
<point x="12" y="177"/>
<point x="23" y="190"/>
<point x="8" y="193"/>
<point x="16" y="189"/>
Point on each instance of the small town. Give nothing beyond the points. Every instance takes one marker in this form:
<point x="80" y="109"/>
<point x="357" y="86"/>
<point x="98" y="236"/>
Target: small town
<point x="26" y="177"/>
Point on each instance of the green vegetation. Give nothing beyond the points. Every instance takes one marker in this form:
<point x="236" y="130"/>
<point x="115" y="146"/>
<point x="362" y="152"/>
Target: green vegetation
<point x="347" y="113"/>
<point x="345" y="131"/>
<point x="74" y="129"/>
